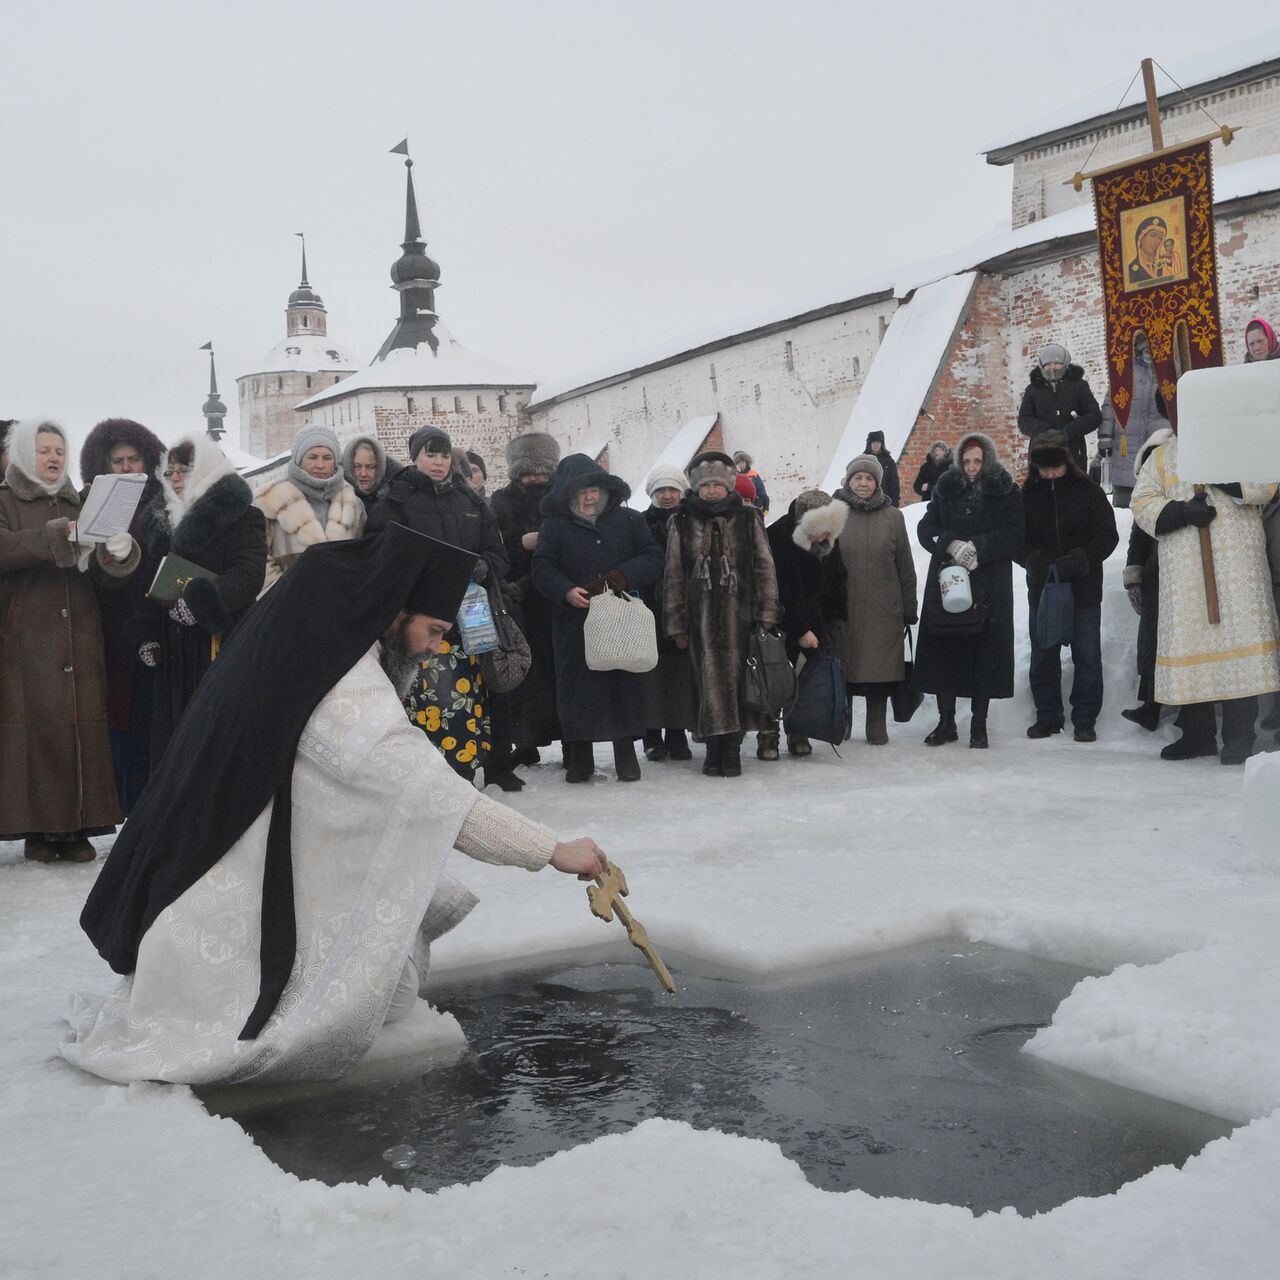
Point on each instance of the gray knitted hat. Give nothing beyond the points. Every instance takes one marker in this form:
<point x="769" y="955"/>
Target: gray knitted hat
<point x="865" y="462"/>
<point x="532" y="453"/>
<point x="712" y="468"/>
<point x="741" y="455"/>
<point x="1055" y="353"/>
<point x="312" y="436"/>
<point x="665" y="478"/>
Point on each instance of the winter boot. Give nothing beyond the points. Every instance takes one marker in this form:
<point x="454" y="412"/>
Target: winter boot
<point x="1085" y="733"/>
<point x="624" y="760"/>
<point x="731" y="756"/>
<point x="1189" y="748"/>
<point x="945" y="731"/>
<point x="767" y="745"/>
<point x="36" y="850"/>
<point x="677" y="744"/>
<point x="799" y="745"/>
<point x="654" y="748"/>
<point x="579" y="761"/>
<point x="978" y="731"/>
<point x="504" y="779"/>
<point x="1045" y="728"/>
<point x="76" y="851"/>
<point x="1145" y="717"/>
<point x="711" y="766"/>
<point x="877" y="733"/>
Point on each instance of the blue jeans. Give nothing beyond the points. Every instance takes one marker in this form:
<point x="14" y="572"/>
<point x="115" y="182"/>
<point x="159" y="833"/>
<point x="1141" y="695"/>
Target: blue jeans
<point x="1086" y="658"/>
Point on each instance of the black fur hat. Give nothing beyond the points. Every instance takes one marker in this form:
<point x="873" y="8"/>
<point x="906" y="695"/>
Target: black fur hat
<point x="95" y="456"/>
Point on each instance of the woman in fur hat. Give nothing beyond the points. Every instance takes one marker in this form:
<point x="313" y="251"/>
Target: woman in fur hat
<point x="364" y="466"/>
<point x="811" y="590"/>
<point x="720" y="583"/>
<point x="56" y="782"/>
<point x="526" y="718"/>
<point x="313" y="503"/>
<point x="204" y="513"/>
<point x="673" y="702"/>
<point x="122" y="446"/>
<point x="881" y="584"/>
<point x="448" y="700"/>
<point x="974" y="519"/>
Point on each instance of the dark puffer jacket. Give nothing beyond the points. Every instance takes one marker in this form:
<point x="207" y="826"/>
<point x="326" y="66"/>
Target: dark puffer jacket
<point x="445" y="509"/>
<point x="594" y="706"/>
<point x="930" y="469"/>
<point x="1067" y="405"/>
<point x="987" y="513"/>
<point x="890" y="485"/>
<point x="1069" y="523"/>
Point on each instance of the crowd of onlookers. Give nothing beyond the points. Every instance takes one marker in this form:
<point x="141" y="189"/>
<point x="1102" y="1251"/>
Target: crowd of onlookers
<point x="94" y="673"/>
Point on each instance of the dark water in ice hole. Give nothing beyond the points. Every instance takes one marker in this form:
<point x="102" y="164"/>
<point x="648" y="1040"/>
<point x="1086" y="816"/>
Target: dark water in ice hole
<point x="900" y="1075"/>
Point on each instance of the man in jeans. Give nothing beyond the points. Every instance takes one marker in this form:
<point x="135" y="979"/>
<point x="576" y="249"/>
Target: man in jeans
<point x="1070" y="527"/>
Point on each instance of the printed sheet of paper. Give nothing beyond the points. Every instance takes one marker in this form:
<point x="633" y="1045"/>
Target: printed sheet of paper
<point x="109" y="507"/>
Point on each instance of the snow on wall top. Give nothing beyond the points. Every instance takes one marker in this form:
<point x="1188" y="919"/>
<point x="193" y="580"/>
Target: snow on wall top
<point x="679" y="449"/>
<point x="452" y="365"/>
<point x="1202" y="68"/>
<point x="1230" y="182"/>
<point x="305" y="352"/>
<point x="897" y="385"/>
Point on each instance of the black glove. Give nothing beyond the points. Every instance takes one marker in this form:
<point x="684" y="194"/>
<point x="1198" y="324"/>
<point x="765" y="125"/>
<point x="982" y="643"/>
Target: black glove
<point x="480" y="570"/>
<point x="1199" y="512"/>
<point x="1232" y="490"/>
<point x="1037" y="565"/>
<point x="1075" y="564"/>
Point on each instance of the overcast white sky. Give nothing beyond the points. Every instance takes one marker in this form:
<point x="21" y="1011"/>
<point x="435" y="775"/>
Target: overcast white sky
<point x="595" y="176"/>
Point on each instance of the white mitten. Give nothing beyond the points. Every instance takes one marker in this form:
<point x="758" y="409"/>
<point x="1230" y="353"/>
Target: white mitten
<point x="964" y="553"/>
<point x="119" y="546"/>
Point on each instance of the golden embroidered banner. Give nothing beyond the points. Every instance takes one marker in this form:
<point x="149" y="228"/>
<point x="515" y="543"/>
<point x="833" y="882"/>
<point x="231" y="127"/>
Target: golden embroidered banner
<point x="1159" y="260"/>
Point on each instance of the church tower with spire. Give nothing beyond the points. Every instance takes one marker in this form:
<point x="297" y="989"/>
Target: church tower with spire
<point x="422" y="375"/>
<point x="298" y="366"/>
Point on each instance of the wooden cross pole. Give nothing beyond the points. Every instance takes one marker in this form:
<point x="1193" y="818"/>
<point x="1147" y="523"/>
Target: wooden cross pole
<point x="606" y="897"/>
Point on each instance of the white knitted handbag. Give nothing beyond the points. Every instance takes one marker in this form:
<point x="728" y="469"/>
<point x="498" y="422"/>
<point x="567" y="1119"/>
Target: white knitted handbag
<point x="619" y="634"/>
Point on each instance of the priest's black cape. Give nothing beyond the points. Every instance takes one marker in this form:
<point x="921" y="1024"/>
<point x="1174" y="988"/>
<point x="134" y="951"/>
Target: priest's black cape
<point x="234" y="747"/>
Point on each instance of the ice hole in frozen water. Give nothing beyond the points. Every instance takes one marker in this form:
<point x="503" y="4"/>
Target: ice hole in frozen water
<point x="899" y="1074"/>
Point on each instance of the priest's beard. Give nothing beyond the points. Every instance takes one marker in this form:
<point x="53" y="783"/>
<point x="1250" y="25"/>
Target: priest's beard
<point x="399" y="664"/>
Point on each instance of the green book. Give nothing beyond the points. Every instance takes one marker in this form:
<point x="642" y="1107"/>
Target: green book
<point x="173" y="574"/>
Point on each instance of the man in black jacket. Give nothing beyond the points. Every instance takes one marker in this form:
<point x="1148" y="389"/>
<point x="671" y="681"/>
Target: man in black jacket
<point x="890" y="485"/>
<point x="1059" y="399"/>
<point x="1070" y="528"/>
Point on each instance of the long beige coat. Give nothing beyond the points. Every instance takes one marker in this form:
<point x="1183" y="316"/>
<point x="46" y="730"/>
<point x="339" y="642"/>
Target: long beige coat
<point x="1197" y="661"/>
<point x="292" y="526"/>
<point x="882" y="594"/>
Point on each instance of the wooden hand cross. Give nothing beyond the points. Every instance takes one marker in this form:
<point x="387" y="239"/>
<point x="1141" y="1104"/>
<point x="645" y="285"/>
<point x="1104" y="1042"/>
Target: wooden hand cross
<point x="606" y="897"/>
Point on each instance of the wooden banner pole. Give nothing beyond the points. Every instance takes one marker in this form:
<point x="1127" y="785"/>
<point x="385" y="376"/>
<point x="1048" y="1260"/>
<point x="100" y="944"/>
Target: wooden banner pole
<point x="1153" y="105"/>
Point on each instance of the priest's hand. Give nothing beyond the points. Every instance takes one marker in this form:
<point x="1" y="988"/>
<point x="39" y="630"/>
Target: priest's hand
<point x="582" y="858"/>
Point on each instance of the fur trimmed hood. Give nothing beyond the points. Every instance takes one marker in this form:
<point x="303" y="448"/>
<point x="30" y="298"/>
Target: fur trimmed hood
<point x="1072" y="373"/>
<point x="993" y="478"/>
<point x="95" y="456"/>
<point x="829" y="519"/>
<point x="20" y="475"/>
<point x="379" y="457"/>
<point x="575" y="472"/>
<point x="206" y="519"/>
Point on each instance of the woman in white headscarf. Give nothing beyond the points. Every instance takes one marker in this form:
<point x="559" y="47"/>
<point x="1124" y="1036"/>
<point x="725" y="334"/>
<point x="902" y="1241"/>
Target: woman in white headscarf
<point x="57" y="786"/>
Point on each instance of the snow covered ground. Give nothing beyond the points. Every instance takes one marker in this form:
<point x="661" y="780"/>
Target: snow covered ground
<point x="1101" y="855"/>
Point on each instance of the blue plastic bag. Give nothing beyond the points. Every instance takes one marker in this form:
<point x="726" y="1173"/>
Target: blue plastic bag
<point x="1055" y="616"/>
<point x="820" y="710"/>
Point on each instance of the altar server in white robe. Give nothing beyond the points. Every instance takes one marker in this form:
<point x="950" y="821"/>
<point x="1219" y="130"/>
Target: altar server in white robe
<point x="1199" y="663"/>
<point x="273" y="895"/>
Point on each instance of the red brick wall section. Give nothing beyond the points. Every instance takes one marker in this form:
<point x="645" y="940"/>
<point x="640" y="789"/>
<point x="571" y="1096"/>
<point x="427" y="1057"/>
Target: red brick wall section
<point x="973" y="392"/>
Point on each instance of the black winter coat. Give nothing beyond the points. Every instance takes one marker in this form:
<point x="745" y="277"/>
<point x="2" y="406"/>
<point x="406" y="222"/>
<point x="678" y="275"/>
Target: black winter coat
<point x="1069" y="523"/>
<point x="1143" y="563"/>
<point x="930" y="469"/>
<point x="525" y="717"/>
<point x="1067" y="405"/>
<point x="444" y="509"/>
<point x="812" y="592"/>
<point x="659" y="522"/>
<point x="891" y="486"/>
<point x="225" y="533"/>
<point x="988" y="514"/>
<point x="594" y="706"/>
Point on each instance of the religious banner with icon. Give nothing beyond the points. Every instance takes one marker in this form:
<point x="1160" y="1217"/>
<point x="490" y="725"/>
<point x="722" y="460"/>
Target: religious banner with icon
<point x="1158" y="254"/>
